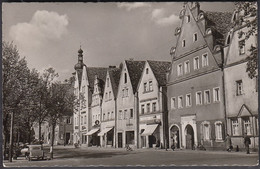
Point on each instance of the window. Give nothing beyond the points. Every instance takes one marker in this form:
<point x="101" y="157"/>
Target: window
<point x="109" y="96"/>
<point x="196" y="63"/>
<point x="81" y="120"/>
<point x="125" y="78"/>
<point x="126" y="92"/>
<point x="187" y="67"/>
<point x="145" y="87"/>
<point x="183" y="43"/>
<point x="85" y="119"/>
<point x="207" y="97"/>
<point x="75" y="121"/>
<point x="130" y="137"/>
<point x="120" y="115"/>
<point x="142" y="109"/>
<point x="180" y="102"/>
<point x="123" y="92"/>
<point x="216" y="95"/>
<point x="187" y="18"/>
<point x="112" y="115"/>
<point x="107" y="82"/>
<point x="241" y="47"/>
<point x="234" y="123"/>
<point x="195" y="37"/>
<point x="147" y="70"/>
<point x="154" y="107"/>
<point x="205" y="61"/>
<point x="148" y="108"/>
<point x="206" y="130"/>
<point x="218" y="130"/>
<point x="198" y="98"/>
<point x="108" y="116"/>
<point x="239" y="87"/>
<point x="68" y="120"/>
<point x="150" y="86"/>
<point x="125" y="114"/>
<point x="247" y="126"/>
<point x="106" y="96"/>
<point x="131" y="113"/>
<point x="188" y="100"/>
<point x="179" y="70"/>
<point x="104" y="116"/>
<point x="173" y="102"/>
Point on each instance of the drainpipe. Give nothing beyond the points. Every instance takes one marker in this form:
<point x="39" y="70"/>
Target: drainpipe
<point x="115" y="130"/>
<point x="137" y="118"/>
<point x="224" y="98"/>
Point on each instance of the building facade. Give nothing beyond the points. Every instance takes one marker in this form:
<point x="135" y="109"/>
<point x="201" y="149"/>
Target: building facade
<point x="241" y="92"/>
<point x="195" y="82"/>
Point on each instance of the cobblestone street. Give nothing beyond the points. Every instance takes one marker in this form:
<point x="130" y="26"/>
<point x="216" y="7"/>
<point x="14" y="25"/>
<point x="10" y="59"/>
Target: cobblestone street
<point x="71" y="157"/>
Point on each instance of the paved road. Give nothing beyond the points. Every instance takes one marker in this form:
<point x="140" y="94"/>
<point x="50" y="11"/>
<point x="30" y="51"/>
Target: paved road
<point x="71" y="157"/>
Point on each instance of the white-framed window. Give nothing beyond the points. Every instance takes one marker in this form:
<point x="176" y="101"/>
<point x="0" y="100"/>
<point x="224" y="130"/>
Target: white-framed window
<point x="218" y="130"/>
<point x="196" y="63"/>
<point x="173" y="103"/>
<point x="142" y="109"/>
<point x="206" y="130"/>
<point x="187" y="67"/>
<point x="216" y="95"/>
<point x="247" y="125"/>
<point x="150" y="85"/>
<point x="205" y="60"/>
<point x="125" y="114"/>
<point x="145" y="87"/>
<point x="235" y="127"/>
<point x="207" y="96"/>
<point x="183" y="43"/>
<point x="120" y="115"/>
<point x="126" y="92"/>
<point x="187" y="18"/>
<point x="241" y="47"/>
<point x="188" y="100"/>
<point x="179" y="69"/>
<point x="239" y="87"/>
<point x="154" y="107"/>
<point x="199" y="98"/>
<point x="148" y="107"/>
<point x="180" y="102"/>
<point x="195" y="37"/>
<point x="123" y="92"/>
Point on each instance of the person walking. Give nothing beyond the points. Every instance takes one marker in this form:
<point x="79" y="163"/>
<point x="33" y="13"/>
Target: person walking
<point x="229" y="143"/>
<point x="247" y="142"/>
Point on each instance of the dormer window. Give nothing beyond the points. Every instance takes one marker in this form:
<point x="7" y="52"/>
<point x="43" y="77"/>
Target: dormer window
<point x="147" y="70"/>
<point x="195" y="37"/>
<point x="183" y="43"/>
<point x="187" y="18"/>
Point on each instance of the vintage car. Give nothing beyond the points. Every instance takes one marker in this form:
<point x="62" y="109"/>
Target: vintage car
<point x="25" y="151"/>
<point x="35" y="152"/>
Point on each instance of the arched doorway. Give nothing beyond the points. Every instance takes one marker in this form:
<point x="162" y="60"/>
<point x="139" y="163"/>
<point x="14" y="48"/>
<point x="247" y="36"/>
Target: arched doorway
<point x="175" y="136"/>
<point x="189" y="137"/>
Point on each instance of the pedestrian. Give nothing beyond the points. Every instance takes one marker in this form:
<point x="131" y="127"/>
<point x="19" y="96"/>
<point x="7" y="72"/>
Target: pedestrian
<point x="247" y="142"/>
<point x="229" y="143"/>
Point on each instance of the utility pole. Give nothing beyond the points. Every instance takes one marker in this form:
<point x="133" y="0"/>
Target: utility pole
<point x="11" y="138"/>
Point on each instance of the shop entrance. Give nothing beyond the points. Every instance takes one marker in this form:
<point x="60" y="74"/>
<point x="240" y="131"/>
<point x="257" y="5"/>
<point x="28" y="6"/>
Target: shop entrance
<point x="120" y="140"/>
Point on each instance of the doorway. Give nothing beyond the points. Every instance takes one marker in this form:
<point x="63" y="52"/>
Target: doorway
<point x="120" y="140"/>
<point x="175" y="136"/>
<point x="152" y="140"/>
<point x="67" y="138"/>
<point x="189" y="137"/>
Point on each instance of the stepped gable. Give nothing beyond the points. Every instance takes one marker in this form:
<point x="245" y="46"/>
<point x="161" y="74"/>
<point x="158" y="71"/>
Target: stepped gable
<point x="220" y="23"/>
<point x="135" y="69"/>
<point x="160" y="68"/>
<point x="114" y="75"/>
<point x="101" y="74"/>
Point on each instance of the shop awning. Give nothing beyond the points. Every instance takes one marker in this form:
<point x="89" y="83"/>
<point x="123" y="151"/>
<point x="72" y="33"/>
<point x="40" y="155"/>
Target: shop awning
<point x="105" y="131"/>
<point x="149" y="129"/>
<point x="92" y="132"/>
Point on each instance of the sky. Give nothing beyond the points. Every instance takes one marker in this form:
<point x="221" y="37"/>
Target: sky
<point x="50" y="34"/>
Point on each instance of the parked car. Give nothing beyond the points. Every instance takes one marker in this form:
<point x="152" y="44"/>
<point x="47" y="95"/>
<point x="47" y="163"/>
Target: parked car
<point x="25" y="151"/>
<point x="35" y="151"/>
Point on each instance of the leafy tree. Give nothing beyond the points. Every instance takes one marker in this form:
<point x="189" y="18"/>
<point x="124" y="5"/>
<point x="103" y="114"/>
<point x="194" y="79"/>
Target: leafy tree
<point x="248" y="16"/>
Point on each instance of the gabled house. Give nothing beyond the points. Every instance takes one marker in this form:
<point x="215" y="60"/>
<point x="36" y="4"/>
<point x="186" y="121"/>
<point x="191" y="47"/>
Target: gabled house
<point x="152" y="93"/>
<point x="241" y="92"/>
<point x="195" y="83"/>
<point x="127" y="104"/>
<point x="109" y="109"/>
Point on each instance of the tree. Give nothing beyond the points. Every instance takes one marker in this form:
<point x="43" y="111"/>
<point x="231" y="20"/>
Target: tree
<point x="248" y="16"/>
<point x="60" y="104"/>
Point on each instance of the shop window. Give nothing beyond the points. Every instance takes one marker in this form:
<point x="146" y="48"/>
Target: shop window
<point x="188" y="100"/>
<point x="173" y="103"/>
<point x="235" y="127"/>
<point x="207" y="96"/>
<point x="239" y="87"/>
<point x="180" y="102"/>
<point x="196" y="63"/>
<point x="130" y="136"/>
<point x="218" y="130"/>
<point x="216" y="96"/>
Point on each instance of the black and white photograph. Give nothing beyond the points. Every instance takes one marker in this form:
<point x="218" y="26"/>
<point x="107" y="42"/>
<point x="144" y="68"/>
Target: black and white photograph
<point x="89" y="84"/>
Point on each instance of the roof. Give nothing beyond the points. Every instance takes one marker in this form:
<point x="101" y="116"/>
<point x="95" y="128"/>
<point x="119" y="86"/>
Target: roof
<point x="220" y="23"/>
<point x="160" y="68"/>
<point x="114" y="75"/>
<point x="135" y="69"/>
